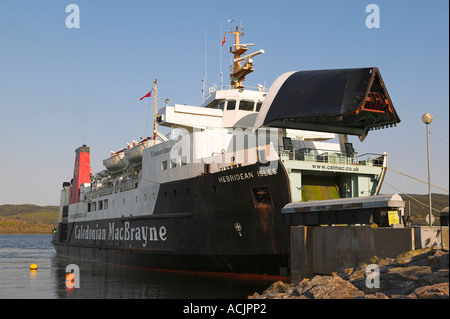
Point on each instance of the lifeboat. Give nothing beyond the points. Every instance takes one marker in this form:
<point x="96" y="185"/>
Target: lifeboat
<point x="116" y="163"/>
<point x="134" y="154"/>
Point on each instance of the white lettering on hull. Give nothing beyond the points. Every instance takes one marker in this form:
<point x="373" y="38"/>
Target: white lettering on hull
<point x="143" y="234"/>
<point x="246" y="175"/>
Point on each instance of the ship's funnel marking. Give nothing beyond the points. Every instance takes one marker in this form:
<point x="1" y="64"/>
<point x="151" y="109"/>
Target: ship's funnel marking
<point x="81" y="172"/>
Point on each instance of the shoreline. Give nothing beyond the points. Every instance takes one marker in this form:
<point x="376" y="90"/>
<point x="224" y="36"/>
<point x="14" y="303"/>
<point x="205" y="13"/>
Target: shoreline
<point x="416" y="274"/>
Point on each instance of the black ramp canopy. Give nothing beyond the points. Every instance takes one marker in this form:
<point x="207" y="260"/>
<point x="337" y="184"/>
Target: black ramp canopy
<point x="345" y="101"/>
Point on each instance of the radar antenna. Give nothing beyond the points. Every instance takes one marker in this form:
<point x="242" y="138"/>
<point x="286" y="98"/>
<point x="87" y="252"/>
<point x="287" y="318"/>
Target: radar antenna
<point x="239" y="72"/>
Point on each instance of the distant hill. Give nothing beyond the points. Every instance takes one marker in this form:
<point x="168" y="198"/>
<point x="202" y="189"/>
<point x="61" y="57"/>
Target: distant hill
<point x="419" y="211"/>
<point x="33" y="219"/>
<point x="28" y="219"/>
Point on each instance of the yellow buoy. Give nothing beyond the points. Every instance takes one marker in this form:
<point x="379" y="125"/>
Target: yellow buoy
<point x="33" y="267"/>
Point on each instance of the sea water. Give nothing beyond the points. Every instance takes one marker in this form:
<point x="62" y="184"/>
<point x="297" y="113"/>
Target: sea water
<point x="97" y="280"/>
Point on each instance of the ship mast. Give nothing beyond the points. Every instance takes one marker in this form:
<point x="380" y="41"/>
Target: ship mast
<point x="156" y="114"/>
<point x="239" y="72"/>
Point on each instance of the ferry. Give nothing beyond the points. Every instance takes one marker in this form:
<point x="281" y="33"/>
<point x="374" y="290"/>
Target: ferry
<point x="208" y="196"/>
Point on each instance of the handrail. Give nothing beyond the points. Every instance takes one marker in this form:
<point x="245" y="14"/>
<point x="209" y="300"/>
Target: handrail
<point x="121" y="186"/>
<point x="330" y="156"/>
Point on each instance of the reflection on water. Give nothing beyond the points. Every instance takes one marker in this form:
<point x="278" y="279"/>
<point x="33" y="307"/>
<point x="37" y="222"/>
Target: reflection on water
<point x="109" y="281"/>
<point x="97" y="280"/>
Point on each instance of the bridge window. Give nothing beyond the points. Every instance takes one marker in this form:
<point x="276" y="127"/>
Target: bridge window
<point x="231" y="105"/>
<point x="216" y="105"/>
<point x="246" y="105"/>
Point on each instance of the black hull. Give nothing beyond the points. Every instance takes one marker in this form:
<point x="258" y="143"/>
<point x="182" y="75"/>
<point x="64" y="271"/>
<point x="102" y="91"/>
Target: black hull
<point x="271" y="265"/>
<point x="226" y="222"/>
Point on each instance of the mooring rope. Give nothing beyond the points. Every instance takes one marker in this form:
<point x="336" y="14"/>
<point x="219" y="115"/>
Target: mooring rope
<point x="417" y="179"/>
<point x="411" y="197"/>
<point x="441" y="139"/>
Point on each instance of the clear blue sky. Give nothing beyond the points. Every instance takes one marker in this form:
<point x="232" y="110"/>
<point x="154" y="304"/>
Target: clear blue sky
<point x="61" y="88"/>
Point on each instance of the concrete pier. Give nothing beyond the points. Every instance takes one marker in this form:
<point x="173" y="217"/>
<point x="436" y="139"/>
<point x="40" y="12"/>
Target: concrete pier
<point x="358" y="229"/>
<point x="324" y="250"/>
<point x="431" y="237"/>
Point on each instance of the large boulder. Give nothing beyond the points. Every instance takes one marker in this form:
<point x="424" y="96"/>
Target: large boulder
<point x="328" y="287"/>
<point x="418" y="274"/>
<point x="437" y="291"/>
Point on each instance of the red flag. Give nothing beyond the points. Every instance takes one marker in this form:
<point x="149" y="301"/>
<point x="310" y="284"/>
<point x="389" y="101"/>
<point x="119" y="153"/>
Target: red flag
<point x="223" y="41"/>
<point x="149" y="94"/>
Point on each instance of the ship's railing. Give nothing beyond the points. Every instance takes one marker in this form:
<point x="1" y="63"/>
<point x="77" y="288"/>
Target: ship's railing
<point x="371" y="159"/>
<point x="120" y="186"/>
<point x="99" y="192"/>
<point x="260" y="88"/>
<point x="330" y="156"/>
<point x="126" y="185"/>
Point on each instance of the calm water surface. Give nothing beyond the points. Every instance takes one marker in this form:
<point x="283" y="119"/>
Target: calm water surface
<point x="17" y="252"/>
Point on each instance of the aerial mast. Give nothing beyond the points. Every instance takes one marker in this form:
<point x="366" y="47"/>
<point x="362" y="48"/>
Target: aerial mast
<point x="155" y="81"/>
<point x="239" y="72"/>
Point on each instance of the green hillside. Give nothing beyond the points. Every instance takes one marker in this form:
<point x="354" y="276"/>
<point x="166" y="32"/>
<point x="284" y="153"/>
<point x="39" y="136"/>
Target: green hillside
<point x="418" y="211"/>
<point x="28" y="219"/>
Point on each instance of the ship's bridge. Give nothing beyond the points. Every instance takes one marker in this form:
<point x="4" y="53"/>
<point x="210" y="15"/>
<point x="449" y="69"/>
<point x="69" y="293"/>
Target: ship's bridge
<point x="223" y="109"/>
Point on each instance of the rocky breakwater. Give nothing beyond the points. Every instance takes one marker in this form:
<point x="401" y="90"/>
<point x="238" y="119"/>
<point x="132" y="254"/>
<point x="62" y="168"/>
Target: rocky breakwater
<point x="417" y="274"/>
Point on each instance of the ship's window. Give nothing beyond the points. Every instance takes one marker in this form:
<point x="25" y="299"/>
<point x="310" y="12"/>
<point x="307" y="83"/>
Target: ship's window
<point x="187" y="191"/>
<point x="163" y="165"/>
<point x="173" y="163"/>
<point x="246" y="105"/>
<point x="136" y="199"/>
<point x="100" y="205"/>
<point x="105" y="204"/>
<point x="124" y="201"/>
<point x="94" y="206"/>
<point x="231" y="105"/>
<point x="214" y="189"/>
<point x="216" y="105"/>
<point x="89" y="207"/>
<point x="183" y="160"/>
<point x="145" y="197"/>
<point x="287" y="143"/>
<point x="165" y="194"/>
<point x="65" y="211"/>
<point x="258" y="106"/>
<point x="174" y="193"/>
